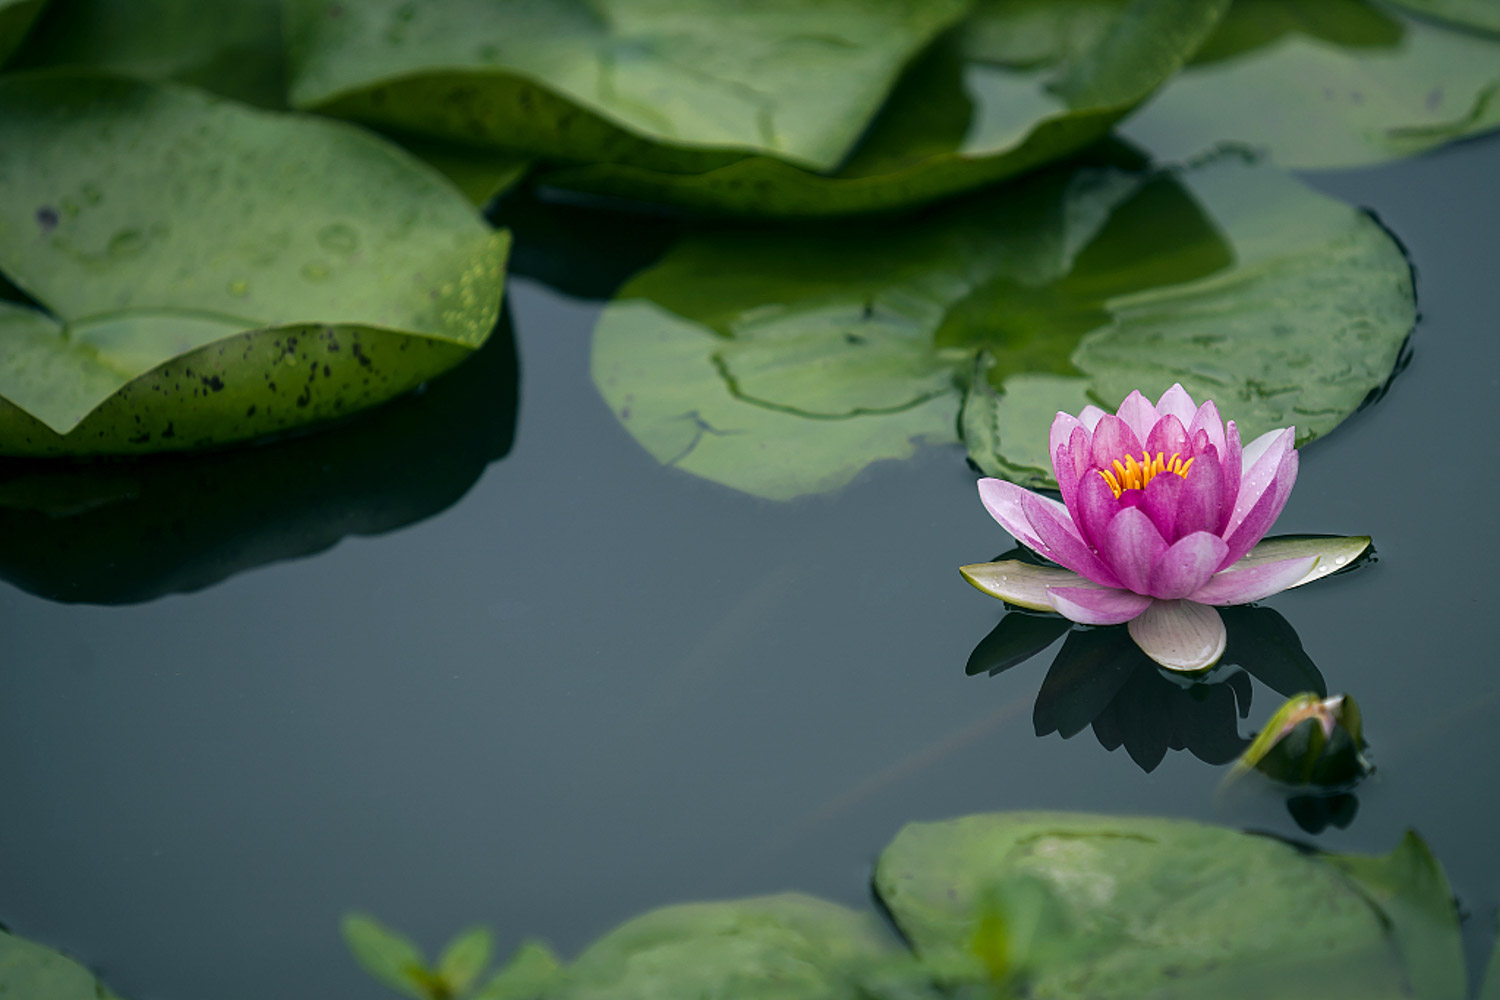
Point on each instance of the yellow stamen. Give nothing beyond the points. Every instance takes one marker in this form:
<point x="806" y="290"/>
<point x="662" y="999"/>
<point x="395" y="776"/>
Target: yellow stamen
<point x="1133" y="474"/>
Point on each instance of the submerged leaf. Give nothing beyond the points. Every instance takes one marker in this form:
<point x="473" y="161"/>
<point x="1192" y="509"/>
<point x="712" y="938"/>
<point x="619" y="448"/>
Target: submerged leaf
<point x="1017" y="86"/>
<point x="29" y="971"/>
<point x="614" y="79"/>
<point x="1157" y="908"/>
<point x="16" y="19"/>
<point x="783" y="362"/>
<point x="1325" y="83"/>
<point x="785" y="947"/>
<point x="211" y="273"/>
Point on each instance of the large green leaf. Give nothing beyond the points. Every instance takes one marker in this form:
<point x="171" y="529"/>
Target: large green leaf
<point x="1156" y="908"/>
<point x="29" y="971"/>
<point x="211" y="273"/>
<point x="611" y="79"/>
<point x="785" y="947"/>
<point x="129" y="531"/>
<point x="1019" y="85"/>
<point x="236" y="51"/>
<point x="1325" y="83"/>
<point x="782" y="362"/>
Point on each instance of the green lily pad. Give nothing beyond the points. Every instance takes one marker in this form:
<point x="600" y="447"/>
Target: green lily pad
<point x="1483" y="15"/>
<point x="783" y="362"/>
<point x="209" y="273"/>
<point x="1019" y="85"/>
<point x="1157" y="908"/>
<point x="29" y="971"/>
<point x="614" y="79"/>
<point x="237" y="52"/>
<point x="1325" y="83"/>
<point x="784" y="947"/>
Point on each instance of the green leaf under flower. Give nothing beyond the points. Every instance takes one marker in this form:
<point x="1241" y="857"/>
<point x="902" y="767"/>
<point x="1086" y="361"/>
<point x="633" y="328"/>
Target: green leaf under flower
<point x="29" y="971"/>
<point x="209" y="273"/>
<point x="783" y="362"/>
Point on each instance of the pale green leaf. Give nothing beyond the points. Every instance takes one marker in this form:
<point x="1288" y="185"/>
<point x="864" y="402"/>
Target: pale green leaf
<point x="970" y="112"/>
<point x="614" y="79"/>
<point x="387" y="955"/>
<point x="213" y="273"/>
<point x="465" y="959"/>
<point x="29" y="971"/>
<point x="525" y="976"/>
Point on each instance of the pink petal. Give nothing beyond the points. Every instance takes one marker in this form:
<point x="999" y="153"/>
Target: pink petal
<point x="1178" y="403"/>
<point x="1138" y="413"/>
<point x="1167" y="438"/>
<point x="1229" y="460"/>
<point x="1207" y="419"/>
<point x="1180" y="635"/>
<point x="1113" y="439"/>
<point x="1003" y="501"/>
<point x="1253" y="582"/>
<point x="1089" y="417"/>
<point x="1064" y="545"/>
<point x="1200" y="506"/>
<point x="1102" y="606"/>
<point x="1258" y="519"/>
<point x="1159" y="501"/>
<point x="1132" y="545"/>
<point x="1096" y="506"/>
<point x="1187" y="565"/>
<point x="1261" y="458"/>
<point x="1070" y="461"/>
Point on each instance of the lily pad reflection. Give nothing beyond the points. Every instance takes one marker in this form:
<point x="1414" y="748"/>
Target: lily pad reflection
<point x="782" y="362"/>
<point x="128" y="531"/>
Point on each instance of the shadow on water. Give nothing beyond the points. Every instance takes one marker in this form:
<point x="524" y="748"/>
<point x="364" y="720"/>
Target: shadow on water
<point x="124" y="532"/>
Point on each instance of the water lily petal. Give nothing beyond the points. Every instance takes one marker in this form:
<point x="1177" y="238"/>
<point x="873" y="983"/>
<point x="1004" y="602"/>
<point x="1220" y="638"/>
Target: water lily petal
<point x="1200" y="506"/>
<point x="1180" y="635"/>
<point x="1019" y="583"/>
<point x="1097" y="605"/>
<point x="1169" y="437"/>
<point x="1177" y="402"/>
<point x="1230" y="461"/>
<point x="1138" y="413"/>
<point x="1003" y="501"/>
<point x="1333" y="554"/>
<point x="1243" y="583"/>
<point x="1070" y="459"/>
<point x="1095" y="505"/>
<point x="1260" y="461"/>
<point x="1089" y="416"/>
<point x="1113" y="439"/>
<point x="1064" y="545"/>
<point x="1186" y="565"/>
<point x="1132" y="545"/>
<point x="1207" y="419"/>
<point x="1258" y="519"/>
<point x="1159" y="501"/>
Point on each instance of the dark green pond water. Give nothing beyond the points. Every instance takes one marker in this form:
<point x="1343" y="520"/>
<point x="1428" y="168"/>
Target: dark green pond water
<point x="594" y="685"/>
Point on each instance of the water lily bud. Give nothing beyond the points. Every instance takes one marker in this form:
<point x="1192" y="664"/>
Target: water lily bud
<point x="1310" y="741"/>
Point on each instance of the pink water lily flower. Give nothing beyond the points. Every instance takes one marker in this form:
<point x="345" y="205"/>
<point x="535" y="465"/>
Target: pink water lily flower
<point x="1162" y="518"/>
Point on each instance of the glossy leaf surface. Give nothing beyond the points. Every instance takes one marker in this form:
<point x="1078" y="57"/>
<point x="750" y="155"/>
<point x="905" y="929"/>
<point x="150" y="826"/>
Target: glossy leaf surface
<point x="294" y="271"/>
<point x="611" y="80"/>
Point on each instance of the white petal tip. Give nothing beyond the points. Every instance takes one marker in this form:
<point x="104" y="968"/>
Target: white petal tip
<point x="1180" y="635"/>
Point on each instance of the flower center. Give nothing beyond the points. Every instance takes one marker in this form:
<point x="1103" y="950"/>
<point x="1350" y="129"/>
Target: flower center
<point x="1134" y="475"/>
